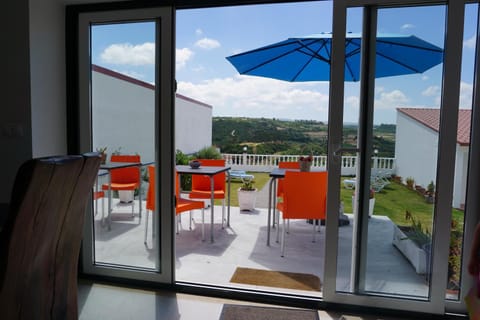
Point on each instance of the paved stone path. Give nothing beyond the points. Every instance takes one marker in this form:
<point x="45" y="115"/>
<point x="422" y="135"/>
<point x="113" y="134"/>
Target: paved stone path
<point x="262" y="197"/>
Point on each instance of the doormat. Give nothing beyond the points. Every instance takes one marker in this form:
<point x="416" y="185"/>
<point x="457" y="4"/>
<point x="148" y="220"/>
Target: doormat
<point x="278" y="279"/>
<point x="243" y="312"/>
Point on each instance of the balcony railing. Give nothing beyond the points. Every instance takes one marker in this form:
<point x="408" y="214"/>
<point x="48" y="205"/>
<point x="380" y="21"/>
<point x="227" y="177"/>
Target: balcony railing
<point x="266" y="162"/>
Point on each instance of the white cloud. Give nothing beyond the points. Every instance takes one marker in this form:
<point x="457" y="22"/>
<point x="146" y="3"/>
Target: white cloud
<point x="182" y="56"/>
<point x="466" y="90"/>
<point x="258" y="97"/>
<point x="407" y="26"/>
<point x="431" y="91"/>
<point x="207" y="43"/>
<point x="390" y="100"/>
<point x="199" y="32"/>
<point x="129" y="54"/>
<point x="470" y="42"/>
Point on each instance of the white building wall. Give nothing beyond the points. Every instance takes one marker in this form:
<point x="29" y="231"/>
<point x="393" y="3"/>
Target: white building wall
<point x="416" y="148"/>
<point x="193" y="125"/>
<point x="122" y="116"/>
<point x="123" y="119"/>
<point x="460" y="180"/>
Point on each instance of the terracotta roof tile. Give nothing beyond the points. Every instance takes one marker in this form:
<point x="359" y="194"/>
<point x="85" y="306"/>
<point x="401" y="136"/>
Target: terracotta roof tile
<point x="430" y="118"/>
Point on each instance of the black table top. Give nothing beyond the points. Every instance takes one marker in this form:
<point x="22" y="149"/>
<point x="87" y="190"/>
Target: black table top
<point x="208" y="170"/>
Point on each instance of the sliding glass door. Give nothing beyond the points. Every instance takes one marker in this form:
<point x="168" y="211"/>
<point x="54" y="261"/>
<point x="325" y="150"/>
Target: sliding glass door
<point x="126" y="103"/>
<point x="420" y="196"/>
<point x="399" y="170"/>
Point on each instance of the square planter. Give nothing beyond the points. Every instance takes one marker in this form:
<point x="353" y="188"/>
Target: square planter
<point x="126" y="196"/>
<point x="414" y="254"/>
<point x="246" y="199"/>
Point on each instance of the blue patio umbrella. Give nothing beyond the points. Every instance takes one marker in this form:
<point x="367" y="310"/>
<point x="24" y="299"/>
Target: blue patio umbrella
<point x="308" y="58"/>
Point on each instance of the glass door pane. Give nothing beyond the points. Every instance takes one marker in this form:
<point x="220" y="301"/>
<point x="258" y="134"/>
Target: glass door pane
<point x="406" y="119"/>
<point x="463" y="152"/>
<point x="255" y="122"/>
<point x="123" y="123"/>
<point x="396" y="176"/>
<point x="122" y="106"/>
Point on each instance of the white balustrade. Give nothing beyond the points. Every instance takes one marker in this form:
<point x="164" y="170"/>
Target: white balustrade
<point x="266" y="162"/>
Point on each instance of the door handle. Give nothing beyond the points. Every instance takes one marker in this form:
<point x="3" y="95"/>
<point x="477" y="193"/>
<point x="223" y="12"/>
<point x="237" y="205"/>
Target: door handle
<point x="340" y="151"/>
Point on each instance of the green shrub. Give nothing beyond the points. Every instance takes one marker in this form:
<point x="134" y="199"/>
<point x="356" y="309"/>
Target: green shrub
<point x="185" y="179"/>
<point x="208" y="153"/>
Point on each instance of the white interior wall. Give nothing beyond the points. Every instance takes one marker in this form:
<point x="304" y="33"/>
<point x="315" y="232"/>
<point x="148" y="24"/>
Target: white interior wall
<point x="15" y="123"/>
<point x="47" y="78"/>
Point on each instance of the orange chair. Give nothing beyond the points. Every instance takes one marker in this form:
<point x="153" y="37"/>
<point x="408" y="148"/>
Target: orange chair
<point x="182" y="204"/>
<point x="283" y="165"/>
<point x="201" y="188"/>
<point x="304" y="197"/>
<point x="126" y="178"/>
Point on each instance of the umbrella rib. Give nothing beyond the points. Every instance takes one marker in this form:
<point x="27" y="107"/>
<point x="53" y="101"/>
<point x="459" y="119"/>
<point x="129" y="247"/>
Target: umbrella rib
<point x="405" y="45"/>
<point x="270" y="60"/>
<point x="313" y="55"/>
<point x="351" y="54"/>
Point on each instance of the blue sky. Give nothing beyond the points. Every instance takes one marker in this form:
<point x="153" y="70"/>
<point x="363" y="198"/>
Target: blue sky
<point x="204" y="37"/>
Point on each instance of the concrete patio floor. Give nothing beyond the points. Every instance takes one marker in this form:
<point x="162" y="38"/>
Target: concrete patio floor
<point x="243" y="244"/>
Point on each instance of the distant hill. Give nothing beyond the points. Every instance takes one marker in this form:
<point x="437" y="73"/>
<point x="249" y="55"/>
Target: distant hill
<point x="275" y="136"/>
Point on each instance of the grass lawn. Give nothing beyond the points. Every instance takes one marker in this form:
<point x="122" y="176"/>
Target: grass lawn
<point x="261" y="178"/>
<point x="395" y="199"/>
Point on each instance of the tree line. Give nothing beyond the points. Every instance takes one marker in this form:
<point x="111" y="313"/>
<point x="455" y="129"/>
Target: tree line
<point x="278" y="136"/>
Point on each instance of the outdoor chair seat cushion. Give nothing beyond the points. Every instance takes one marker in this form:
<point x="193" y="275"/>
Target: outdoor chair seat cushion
<point x="121" y="186"/>
<point x="187" y="204"/>
<point x="217" y="194"/>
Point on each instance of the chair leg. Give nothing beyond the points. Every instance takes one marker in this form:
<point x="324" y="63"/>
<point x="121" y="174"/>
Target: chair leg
<point x="223" y="212"/>
<point x="313" y="230"/>
<point x="283" y="239"/>
<point x="203" y="224"/>
<point x="277" y="213"/>
<point x="146" y="230"/>
<point x="140" y="201"/>
<point x="190" y="220"/>
<point x="177" y="222"/>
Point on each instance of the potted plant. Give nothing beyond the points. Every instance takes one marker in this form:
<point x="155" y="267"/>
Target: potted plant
<point x="410" y="182"/>
<point x="103" y="154"/>
<point x="430" y="193"/>
<point x="247" y="194"/>
<point x="305" y="162"/>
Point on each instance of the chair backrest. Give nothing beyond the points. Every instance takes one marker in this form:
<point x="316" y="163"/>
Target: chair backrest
<point x="285" y="165"/>
<point x="151" y="188"/>
<point x="40" y="241"/>
<point x="305" y="195"/>
<point x="200" y="182"/>
<point x="125" y="175"/>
